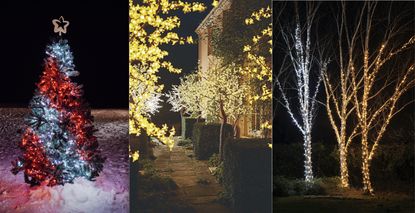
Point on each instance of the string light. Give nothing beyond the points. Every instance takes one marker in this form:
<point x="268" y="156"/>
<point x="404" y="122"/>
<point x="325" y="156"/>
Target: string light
<point x="58" y="143"/>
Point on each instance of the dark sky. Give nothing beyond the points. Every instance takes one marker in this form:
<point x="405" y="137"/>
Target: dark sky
<point x="97" y="34"/>
<point x="284" y="129"/>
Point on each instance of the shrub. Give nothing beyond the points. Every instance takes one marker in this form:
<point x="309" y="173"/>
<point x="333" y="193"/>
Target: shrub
<point x="187" y="127"/>
<point x="184" y="142"/>
<point x="247" y="174"/>
<point x="392" y="166"/>
<point x="289" y="187"/>
<point x="206" y="139"/>
<point x="289" y="160"/>
<point x="214" y="160"/>
<point x="281" y="186"/>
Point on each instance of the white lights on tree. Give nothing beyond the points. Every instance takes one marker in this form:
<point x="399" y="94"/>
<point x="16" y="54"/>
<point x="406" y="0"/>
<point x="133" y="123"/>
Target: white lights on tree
<point x="224" y="94"/>
<point x="298" y="79"/>
<point x="218" y="94"/>
<point x="187" y="96"/>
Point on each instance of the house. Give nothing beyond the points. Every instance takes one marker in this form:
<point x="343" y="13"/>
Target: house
<point x="247" y="123"/>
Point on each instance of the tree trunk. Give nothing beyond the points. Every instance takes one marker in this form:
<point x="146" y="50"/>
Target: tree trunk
<point x="344" y="172"/>
<point x="367" y="184"/>
<point x="224" y="120"/>
<point x="235" y="129"/>
<point x="308" y="166"/>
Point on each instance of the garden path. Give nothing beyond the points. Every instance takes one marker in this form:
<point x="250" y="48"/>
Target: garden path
<point x="196" y="186"/>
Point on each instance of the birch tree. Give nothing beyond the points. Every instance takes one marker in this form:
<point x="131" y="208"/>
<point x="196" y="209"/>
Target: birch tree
<point x="299" y="78"/>
<point x="339" y="91"/>
<point x="382" y="70"/>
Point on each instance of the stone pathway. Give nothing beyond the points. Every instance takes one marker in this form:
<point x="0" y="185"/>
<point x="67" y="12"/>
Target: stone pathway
<point x="196" y="186"/>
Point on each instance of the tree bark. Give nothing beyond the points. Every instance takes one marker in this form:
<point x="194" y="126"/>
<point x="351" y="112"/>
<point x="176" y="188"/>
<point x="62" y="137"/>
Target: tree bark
<point x="224" y="120"/>
<point x="308" y="165"/>
<point x="367" y="184"/>
<point x="344" y="171"/>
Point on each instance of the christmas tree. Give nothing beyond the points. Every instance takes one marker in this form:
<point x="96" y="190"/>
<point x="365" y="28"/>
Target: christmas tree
<point x="58" y="144"/>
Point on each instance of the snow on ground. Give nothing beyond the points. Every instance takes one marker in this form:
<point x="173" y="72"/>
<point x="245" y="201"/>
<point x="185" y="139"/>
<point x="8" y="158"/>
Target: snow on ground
<point x="109" y="193"/>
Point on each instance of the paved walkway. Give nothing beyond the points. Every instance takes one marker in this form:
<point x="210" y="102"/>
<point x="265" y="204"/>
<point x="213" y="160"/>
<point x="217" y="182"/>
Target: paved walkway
<point x="196" y="186"/>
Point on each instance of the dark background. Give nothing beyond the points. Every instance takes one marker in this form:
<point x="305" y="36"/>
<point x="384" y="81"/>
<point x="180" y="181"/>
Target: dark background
<point x="97" y="34"/>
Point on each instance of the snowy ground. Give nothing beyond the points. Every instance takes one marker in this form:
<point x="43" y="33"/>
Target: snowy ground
<point x="109" y="193"/>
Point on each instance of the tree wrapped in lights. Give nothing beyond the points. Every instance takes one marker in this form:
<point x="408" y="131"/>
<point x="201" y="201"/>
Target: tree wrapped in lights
<point x="215" y="95"/>
<point x="381" y="69"/>
<point x="224" y="96"/>
<point x="152" y="26"/>
<point x="187" y="97"/>
<point x="58" y="144"/>
<point x="340" y="107"/>
<point x="302" y="62"/>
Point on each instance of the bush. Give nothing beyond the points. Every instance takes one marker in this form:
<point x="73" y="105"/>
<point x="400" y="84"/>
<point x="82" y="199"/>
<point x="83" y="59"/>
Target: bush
<point x="184" y="142"/>
<point x="187" y="127"/>
<point x="206" y="139"/>
<point x="289" y="187"/>
<point x="392" y="166"/>
<point x="247" y="174"/>
<point x="214" y="160"/>
<point x="141" y="143"/>
<point x="289" y="160"/>
<point x="281" y="186"/>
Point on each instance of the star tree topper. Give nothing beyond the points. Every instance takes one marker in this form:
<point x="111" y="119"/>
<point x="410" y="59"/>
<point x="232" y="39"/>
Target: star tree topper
<point x="60" y="25"/>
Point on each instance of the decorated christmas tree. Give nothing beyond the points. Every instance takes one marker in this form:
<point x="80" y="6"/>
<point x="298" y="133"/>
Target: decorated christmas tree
<point x="58" y="144"/>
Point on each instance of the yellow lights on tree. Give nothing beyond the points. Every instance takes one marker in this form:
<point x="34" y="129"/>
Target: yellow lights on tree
<point x="224" y="93"/>
<point x="217" y="94"/>
<point x="258" y="63"/>
<point x="152" y="26"/>
<point x="383" y="62"/>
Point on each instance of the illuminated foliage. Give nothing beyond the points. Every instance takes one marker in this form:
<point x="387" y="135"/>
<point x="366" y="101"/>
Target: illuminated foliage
<point x="223" y="91"/>
<point x="152" y="26"/>
<point x="258" y="64"/>
<point x="257" y="68"/>
<point x="216" y="95"/>
<point x="187" y="96"/>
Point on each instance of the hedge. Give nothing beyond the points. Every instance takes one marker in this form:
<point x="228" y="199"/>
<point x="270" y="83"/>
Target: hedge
<point x="247" y="174"/>
<point x="206" y="139"/>
<point x="187" y="127"/>
<point x="141" y="143"/>
<point x="394" y="161"/>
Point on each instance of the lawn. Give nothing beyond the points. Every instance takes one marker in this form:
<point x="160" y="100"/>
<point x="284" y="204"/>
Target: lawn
<point x="333" y="204"/>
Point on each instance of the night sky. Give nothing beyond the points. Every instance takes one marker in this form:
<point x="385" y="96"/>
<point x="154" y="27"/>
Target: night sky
<point x="97" y="34"/>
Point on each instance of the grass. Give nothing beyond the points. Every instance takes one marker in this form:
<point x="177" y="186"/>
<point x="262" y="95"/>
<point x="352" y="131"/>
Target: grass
<point x="332" y="198"/>
<point x="294" y="204"/>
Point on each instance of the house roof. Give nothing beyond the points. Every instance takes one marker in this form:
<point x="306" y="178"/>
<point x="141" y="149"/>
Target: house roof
<point x="222" y="5"/>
